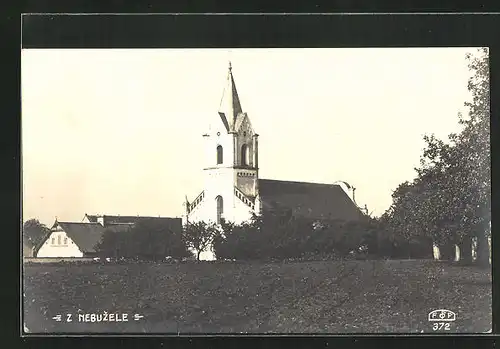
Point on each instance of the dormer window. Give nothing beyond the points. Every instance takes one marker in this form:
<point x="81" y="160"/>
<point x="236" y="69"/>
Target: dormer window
<point x="219" y="154"/>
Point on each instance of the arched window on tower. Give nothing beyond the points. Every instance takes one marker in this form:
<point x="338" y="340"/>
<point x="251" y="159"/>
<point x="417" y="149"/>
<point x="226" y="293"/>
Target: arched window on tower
<point x="244" y="155"/>
<point x="220" y="208"/>
<point x="219" y="154"/>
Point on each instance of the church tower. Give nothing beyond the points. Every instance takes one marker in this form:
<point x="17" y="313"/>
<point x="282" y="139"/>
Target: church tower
<point x="231" y="164"/>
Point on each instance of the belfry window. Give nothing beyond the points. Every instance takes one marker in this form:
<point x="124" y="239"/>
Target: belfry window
<point x="244" y="155"/>
<point x="219" y="154"/>
<point x="220" y="208"/>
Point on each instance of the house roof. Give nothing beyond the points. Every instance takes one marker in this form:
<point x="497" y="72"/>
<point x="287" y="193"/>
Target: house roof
<point x="174" y="224"/>
<point x="92" y="218"/>
<point x="42" y="241"/>
<point x="313" y="200"/>
<point x="85" y="235"/>
<point x="118" y="228"/>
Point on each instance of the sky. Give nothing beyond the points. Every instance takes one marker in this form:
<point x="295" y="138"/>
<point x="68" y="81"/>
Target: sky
<point x="119" y="131"/>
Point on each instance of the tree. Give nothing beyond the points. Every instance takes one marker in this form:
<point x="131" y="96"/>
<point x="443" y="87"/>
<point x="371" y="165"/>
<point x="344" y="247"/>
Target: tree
<point x="450" y="200"/>
<point x="199" y="236"/>
<point x="466" y="165"/>
<point x="34" y="232"/>
<point x="474" y="149"/>
<point x="148" y="240"/>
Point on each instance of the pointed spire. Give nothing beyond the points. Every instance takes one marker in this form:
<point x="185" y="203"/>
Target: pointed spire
<point x="230" y="105"/>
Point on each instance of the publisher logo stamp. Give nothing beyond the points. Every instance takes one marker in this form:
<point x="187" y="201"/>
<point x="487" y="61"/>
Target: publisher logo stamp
<point x="442" y="319"/>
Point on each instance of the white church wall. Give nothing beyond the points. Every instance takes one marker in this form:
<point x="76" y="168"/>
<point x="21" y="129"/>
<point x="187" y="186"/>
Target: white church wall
<point x="205" y="211"/>
<point x="234" y="211"/>
<point x="59" y="245"/>
<point x="201" y="213"/>
<point x="237" y="214"/>
<point x="219" y="136"/>
<point x="219" y="180"/>
<point x="241" y="212"/>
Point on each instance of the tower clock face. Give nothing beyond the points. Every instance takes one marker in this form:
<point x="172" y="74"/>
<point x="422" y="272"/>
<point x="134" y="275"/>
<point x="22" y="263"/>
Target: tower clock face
<point x="218" y="133"/>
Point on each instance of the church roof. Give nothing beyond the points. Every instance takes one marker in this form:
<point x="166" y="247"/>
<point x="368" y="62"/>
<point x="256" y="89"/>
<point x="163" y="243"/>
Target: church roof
<point x="312" y="200"/>
<point x="230" y="106"/>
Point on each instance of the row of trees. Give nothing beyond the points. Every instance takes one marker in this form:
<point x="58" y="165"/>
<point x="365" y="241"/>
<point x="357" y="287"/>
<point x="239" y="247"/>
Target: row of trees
<point x="279" y="236"/>
<point x="450" y="199"/>
<point x="271" y="236"/>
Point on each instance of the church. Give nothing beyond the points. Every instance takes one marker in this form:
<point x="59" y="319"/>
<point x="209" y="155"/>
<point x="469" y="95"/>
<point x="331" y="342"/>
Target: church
<point x="233" y="190"/>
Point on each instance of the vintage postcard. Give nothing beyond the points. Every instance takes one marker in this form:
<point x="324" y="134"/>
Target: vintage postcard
<point x="250" y="190"/>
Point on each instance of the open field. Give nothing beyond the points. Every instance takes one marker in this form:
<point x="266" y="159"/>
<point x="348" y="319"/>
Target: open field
<point x="232" y="297"/>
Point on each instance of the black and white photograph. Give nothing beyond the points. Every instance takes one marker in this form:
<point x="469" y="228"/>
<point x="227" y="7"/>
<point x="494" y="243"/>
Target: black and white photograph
<point x="256" y="190"/>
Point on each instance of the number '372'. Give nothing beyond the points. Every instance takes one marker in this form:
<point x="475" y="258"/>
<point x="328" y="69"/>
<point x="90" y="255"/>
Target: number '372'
<point x="441" y="326"/>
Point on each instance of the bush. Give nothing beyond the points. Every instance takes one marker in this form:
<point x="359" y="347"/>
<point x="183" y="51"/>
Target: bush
<point x="146" y="240"/>
<point x="280" y="236"/>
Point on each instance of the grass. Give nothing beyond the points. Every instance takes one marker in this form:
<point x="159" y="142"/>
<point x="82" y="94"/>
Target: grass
<point x="231" y="297"/>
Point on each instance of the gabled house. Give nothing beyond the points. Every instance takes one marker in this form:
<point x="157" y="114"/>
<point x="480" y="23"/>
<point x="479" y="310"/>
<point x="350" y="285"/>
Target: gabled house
<point x="78" y="239"/>
<point x="70" y="239"/>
